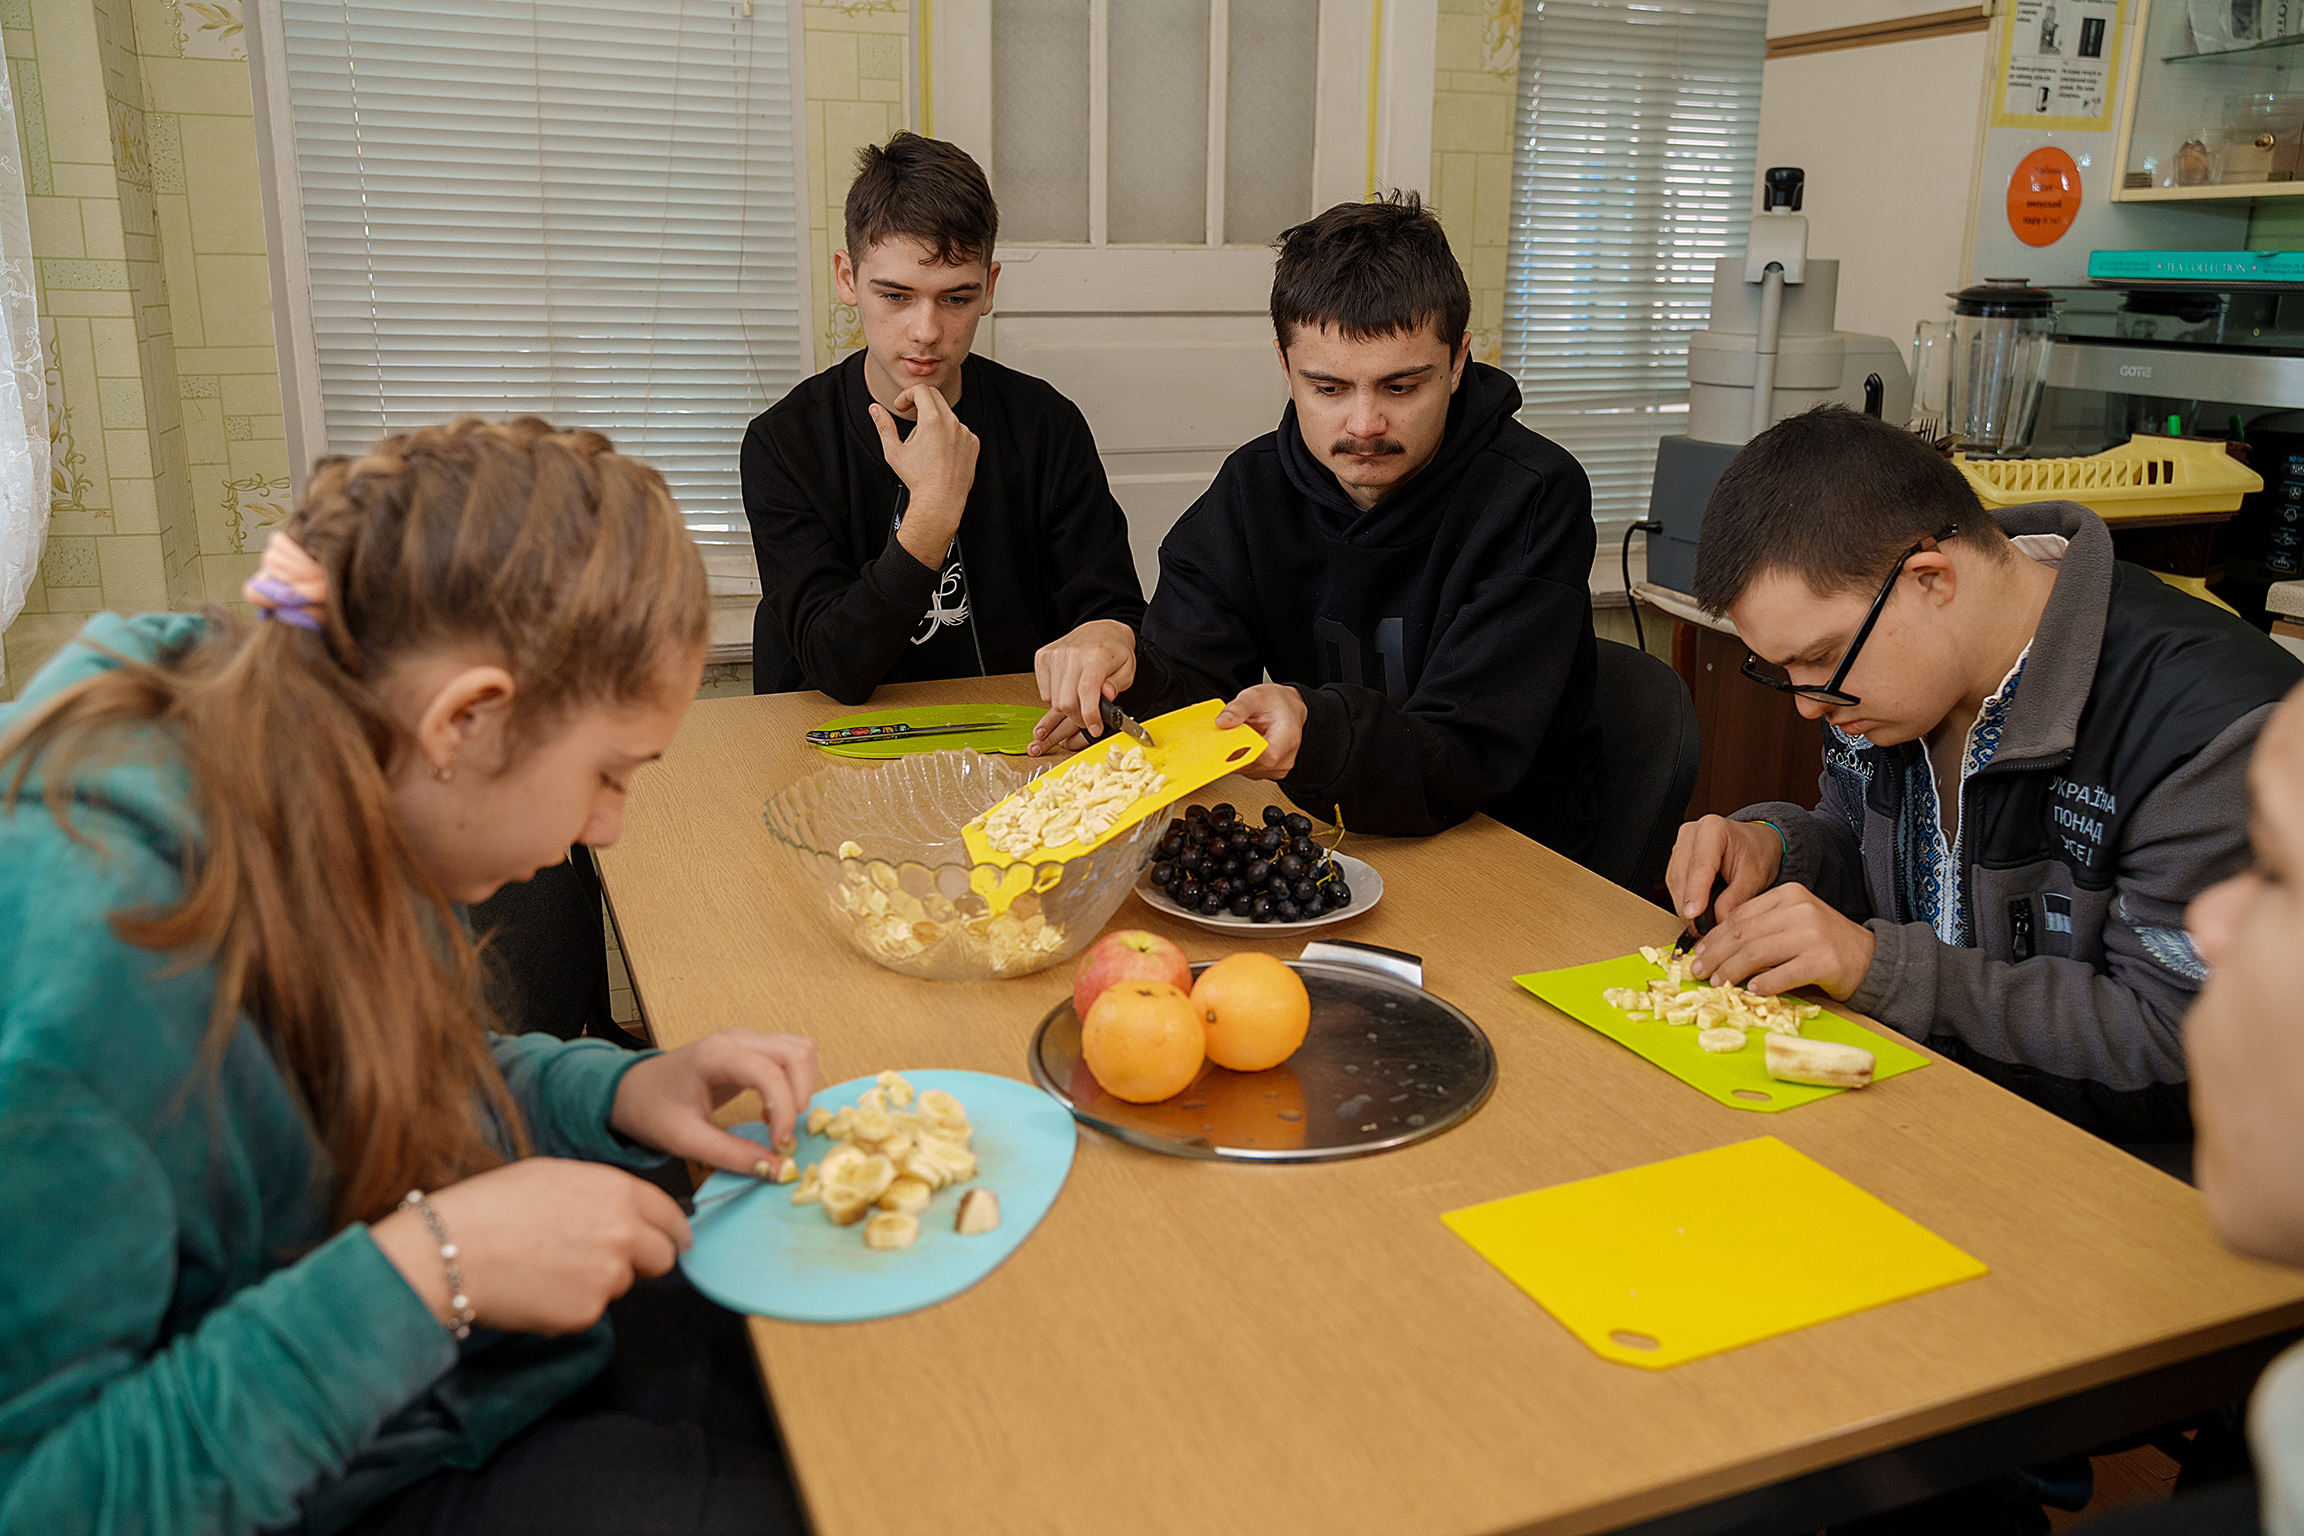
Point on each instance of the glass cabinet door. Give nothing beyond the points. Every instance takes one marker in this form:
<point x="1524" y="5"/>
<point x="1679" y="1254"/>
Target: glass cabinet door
<point x="2217" y="106"/>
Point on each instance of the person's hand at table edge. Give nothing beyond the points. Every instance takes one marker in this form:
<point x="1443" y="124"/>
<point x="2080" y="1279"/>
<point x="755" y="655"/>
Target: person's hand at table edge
<point x="1782" y="939"/>
<point x="1745" y="854"/>
<point x="542" y="1245"/>
<point x="1095" y="662"/>
<point x="666" y="1101"/>
<point x="1276" y="712"/>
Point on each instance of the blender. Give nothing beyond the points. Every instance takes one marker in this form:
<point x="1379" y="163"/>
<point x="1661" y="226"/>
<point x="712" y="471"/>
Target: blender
<point x="1978" y="376"/>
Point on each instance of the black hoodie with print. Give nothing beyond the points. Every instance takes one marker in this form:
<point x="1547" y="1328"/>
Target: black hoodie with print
<point x="1042" y="547"/>
<point x="1442" y="640"/>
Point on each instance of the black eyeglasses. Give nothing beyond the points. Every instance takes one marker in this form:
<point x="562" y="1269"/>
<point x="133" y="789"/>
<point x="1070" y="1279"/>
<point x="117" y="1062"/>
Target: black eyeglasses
<point x="1830" y="693"/>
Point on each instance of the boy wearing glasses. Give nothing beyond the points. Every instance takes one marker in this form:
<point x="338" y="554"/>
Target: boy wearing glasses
<point x="2034" y="757"/>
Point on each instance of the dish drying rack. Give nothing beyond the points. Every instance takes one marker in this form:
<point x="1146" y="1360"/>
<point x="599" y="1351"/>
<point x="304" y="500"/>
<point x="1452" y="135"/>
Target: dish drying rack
<point x="2143" y="477"/>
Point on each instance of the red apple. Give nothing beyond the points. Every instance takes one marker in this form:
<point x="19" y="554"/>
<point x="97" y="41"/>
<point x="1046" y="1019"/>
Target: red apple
<point x="1129" y="955"/>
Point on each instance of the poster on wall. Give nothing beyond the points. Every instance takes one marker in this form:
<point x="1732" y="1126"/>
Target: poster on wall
<point x="2059" y="64"/>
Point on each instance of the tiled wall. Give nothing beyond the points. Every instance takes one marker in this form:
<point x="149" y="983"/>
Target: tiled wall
<point x="857" y="52"/>
<point x="165" y="426"/>
<point x="1475" y="92"/>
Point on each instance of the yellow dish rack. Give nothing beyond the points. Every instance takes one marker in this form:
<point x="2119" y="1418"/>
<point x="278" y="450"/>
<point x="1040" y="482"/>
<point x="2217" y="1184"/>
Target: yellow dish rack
<point x="2143" y="477"/>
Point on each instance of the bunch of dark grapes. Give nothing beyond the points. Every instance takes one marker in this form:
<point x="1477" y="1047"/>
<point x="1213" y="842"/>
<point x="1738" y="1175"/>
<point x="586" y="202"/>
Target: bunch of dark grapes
<point x="1211" y="861"/>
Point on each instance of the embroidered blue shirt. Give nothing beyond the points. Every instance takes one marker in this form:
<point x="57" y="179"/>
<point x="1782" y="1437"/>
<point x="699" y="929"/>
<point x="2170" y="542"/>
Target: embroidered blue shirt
<point x="1927" y="861"/>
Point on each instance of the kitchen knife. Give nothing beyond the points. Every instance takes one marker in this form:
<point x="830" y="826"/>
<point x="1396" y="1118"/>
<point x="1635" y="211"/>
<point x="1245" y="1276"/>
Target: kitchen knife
<point x="898" y="729"/>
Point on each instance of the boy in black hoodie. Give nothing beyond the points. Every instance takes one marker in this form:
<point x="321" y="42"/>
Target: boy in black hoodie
<point x="919" y="512"/>
<point x="1409" y="563"/>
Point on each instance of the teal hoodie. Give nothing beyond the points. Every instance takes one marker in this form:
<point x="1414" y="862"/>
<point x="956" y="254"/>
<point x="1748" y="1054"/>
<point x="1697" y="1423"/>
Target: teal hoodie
<point x="185" y="1345"/>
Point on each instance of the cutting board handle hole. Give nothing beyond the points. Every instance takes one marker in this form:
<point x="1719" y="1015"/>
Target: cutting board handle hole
<point x="1631" y="1340"/>
<point x="1243" y="752"/>
<point x="1754" y="1094"/>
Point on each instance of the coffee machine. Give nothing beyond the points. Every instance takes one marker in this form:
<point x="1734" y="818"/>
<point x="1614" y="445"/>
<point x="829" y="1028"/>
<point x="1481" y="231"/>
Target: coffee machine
<point x="1769" y="351"/>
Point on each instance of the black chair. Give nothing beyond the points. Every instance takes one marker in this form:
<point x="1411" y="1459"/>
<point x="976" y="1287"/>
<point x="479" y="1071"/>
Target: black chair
<point x="1649" y="748"/>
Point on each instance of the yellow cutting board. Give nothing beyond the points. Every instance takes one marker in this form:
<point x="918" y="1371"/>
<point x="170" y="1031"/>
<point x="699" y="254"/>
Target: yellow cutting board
<point x="1191" y="752"/>
<point x="1694" y="1255"/>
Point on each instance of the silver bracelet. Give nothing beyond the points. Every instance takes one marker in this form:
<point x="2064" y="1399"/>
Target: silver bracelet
<point x="458" y="1303"/>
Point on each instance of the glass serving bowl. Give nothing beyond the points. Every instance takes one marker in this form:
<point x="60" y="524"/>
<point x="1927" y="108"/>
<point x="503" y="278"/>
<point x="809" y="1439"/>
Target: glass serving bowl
<point x="880" y="848"/>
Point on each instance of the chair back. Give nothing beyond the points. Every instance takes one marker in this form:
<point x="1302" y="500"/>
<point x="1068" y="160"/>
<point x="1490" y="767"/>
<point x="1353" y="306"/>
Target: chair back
<point x="1649" y="750"/>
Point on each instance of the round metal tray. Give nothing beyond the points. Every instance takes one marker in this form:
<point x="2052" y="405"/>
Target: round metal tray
<point x="1386" y="1063"/>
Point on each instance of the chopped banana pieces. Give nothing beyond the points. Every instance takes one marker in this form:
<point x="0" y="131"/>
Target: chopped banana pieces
<point x="787" y="1170"/>
<point x="907" y="1194"/>
<point x="1677" y="998"/>
<point x="979" y="1212"/>
<point x="851" y="849"/>
<point x="891" y="1230"/>
<point x="1077" y="804"/>
<point x="893" y="1149"/>
<point x="1821" y="1063"/>
<point x="1720" y="1041"/>
<point x="942" y="1114"/>
<point x="849" y="1193"/>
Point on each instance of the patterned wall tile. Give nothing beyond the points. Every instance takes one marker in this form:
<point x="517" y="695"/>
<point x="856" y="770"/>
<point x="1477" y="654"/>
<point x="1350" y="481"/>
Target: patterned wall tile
<point x="1476" y="86"/>
<point x="139" y="145"/>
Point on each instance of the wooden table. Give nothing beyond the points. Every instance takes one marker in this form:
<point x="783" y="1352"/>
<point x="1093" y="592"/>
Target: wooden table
<point x="1199" y="1348"/>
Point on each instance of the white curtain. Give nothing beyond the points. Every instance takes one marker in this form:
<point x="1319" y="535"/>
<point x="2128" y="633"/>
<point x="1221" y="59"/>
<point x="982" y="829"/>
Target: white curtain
<point x="580" y="210"/>
<point x="1639" y="122"/>
<point x="23" y="385"/>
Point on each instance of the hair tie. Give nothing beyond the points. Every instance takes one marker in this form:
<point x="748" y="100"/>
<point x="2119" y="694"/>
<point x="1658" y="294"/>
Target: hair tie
<point x="289" y="584"/>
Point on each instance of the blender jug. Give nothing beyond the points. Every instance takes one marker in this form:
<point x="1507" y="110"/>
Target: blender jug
<point x="1978" y="377"/>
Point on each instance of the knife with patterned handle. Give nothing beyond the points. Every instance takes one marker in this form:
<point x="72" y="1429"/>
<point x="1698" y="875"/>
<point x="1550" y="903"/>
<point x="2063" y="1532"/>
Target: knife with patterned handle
<point x="897" y="730"/>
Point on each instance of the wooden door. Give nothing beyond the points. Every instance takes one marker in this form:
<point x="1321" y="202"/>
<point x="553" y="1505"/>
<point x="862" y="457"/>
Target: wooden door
<point x="1145" y="157"/>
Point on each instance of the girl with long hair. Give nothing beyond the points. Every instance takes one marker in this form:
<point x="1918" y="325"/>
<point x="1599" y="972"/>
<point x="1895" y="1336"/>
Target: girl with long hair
<point x="292" y="1239"/>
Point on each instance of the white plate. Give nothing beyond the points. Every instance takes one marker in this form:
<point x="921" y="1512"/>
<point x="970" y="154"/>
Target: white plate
<point x="1367" y="890"/>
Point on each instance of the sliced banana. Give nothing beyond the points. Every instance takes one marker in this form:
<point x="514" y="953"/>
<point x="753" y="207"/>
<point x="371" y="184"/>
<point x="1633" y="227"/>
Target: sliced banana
<point x="787" y="1170"/>
<point x="851" y="1191"/>
<point x="891" y="1230"/>
<point x="907" y="1194"/>
<point x="1721" y="1041"/>
<point x="871" y="1127"/>
<point x="892" y="1150"/>
<point x="940" y="1110"/>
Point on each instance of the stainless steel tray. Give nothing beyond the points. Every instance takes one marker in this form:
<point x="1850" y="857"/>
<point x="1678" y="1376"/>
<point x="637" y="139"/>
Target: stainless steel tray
<point x="1386" y="1063"/>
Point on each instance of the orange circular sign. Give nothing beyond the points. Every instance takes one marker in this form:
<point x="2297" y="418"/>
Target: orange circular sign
<point x="2044" y="197"/>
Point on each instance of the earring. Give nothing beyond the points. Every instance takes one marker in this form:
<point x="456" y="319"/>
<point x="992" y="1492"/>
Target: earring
<point x="444" y="773"/>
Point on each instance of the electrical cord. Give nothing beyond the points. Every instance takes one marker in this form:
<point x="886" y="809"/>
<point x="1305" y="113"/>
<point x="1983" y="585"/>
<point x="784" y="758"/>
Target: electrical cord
<point x="1651" y="527"/>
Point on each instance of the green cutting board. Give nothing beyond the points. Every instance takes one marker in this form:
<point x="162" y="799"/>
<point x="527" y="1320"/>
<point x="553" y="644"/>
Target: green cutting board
<point x="1010" y="740"/>
<point x="1738" y="1079"/>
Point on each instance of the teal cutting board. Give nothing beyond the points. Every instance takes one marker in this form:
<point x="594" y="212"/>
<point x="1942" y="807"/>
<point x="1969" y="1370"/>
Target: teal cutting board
<point x="1738" y="1079"/>
<point x="758" y="1252"/>
<point x="1011" y="740"/>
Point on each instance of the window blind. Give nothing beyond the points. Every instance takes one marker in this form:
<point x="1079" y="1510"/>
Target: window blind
<point x="1633" y="173"/>
<point x="581" y="211"/>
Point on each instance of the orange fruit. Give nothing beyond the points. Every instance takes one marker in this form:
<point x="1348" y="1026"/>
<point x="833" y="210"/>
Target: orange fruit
<point x="1255" y="1009"/>
<point x="1142" y="1040"/>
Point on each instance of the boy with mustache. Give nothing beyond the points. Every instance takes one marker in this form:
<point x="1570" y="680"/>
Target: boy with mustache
<point x="1407" y="562"/>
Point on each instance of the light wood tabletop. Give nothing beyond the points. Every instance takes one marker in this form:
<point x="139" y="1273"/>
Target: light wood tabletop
<point x="1204" y="1347"/>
